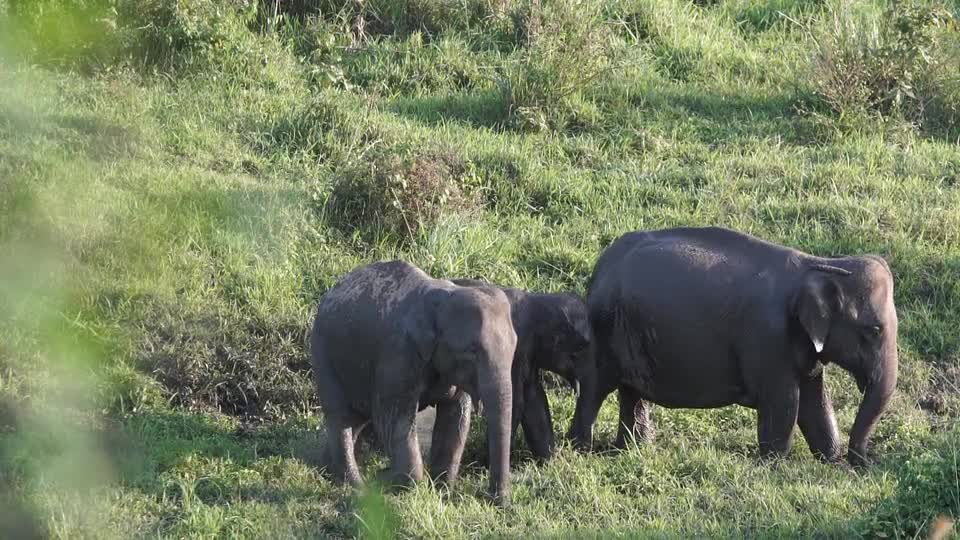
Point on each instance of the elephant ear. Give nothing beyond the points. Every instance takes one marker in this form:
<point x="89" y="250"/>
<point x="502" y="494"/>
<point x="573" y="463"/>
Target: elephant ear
<point x="420" y="329"/>
<point x="813" y="307"/>
<point x="578" y="328"/>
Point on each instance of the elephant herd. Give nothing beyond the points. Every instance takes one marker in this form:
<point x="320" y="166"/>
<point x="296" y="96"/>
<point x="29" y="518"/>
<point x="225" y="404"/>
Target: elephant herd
<point x="683" y="318"/>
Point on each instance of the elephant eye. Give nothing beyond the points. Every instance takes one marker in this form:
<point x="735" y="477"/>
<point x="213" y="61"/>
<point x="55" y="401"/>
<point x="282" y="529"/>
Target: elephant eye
<point x="874" y="330"/>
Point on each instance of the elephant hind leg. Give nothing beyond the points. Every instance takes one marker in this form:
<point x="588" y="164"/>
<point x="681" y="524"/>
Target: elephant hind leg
<point x="635" y="421"/>
<point x="449" y="438"/>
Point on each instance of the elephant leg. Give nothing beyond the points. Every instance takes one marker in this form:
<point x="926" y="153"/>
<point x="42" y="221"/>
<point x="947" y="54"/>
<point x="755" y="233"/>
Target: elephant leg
<point x="359" y="432"/>
<point x="776" y="417"/>
<point x="817" y="421"/>
<point x="339" y="455"/>
<point x="537" y="425"/>
<point x="588" y="407"/>
<point x="395" y="423"/>
<point x="635" y="421"/>
<point x="449" y="438"/>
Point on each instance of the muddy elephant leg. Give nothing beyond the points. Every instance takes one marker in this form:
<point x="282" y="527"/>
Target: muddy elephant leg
<point x="339" y="457"/>
<point x="395" y="422"/>
<point x="777" y="416"/>
<point x="359" y="432"/>
<point x="817" y="421"/>
<point x="635" y="421"/>
<point x="449" y="438"/>
<point x="537" y="425"/>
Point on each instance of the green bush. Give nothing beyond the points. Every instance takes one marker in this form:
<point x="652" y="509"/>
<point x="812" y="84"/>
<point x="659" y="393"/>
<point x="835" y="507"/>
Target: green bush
<point x="399" y="195"/>
<point x="569" y="48"/>
<point x="898" y="62"/>
<point x="174" y="33"/>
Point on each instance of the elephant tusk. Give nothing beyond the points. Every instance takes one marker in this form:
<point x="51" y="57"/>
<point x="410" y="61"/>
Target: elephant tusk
<point x="576" y="388"/>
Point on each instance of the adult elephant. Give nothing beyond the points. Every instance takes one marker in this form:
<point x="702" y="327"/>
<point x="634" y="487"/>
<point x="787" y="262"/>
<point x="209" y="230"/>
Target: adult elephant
<point x="553" y="334"/>
<point x="387" y="340"/>
<point x="708" y="317"/>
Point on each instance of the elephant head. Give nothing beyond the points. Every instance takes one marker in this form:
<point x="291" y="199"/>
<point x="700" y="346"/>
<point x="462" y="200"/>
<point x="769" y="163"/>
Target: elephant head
<point x="845" y="309"/>
<point x="563" y="338"/>
<point x="469" y="340"/>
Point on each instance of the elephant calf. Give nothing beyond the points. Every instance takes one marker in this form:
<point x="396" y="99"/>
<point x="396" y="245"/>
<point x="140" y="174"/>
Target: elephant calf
<point x="708" y="317"/>
<point x="553" y="334"/>
<point x="388" y="337"/>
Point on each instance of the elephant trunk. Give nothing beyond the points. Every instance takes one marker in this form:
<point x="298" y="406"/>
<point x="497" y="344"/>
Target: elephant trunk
<point x="879" y="389"/>
<point x="496" y="391"/>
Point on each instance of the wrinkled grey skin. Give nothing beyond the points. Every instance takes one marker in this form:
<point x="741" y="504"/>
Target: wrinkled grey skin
<point x="388" y="337"/>
<point x="708" y="317"/>
<point x="553" y="334"/>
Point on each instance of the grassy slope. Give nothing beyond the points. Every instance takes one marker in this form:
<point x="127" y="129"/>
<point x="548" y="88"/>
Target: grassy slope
<point x="164" y="241"/>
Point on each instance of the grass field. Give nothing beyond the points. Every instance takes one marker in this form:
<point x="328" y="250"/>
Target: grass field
<point x="180" y="181"/>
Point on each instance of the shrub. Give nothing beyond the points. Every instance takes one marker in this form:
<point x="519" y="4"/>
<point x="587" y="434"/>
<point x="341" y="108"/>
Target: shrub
<point x="399" y="195"/>
<point x="568" y="49"/>
<point x="174" y="33"/>
<point x="897" y="63"/>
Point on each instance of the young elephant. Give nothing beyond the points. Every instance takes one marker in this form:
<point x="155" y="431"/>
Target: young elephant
<point x="553" y="334"/>
<point x="708" y="317"/>
<point x="388" y="337"/>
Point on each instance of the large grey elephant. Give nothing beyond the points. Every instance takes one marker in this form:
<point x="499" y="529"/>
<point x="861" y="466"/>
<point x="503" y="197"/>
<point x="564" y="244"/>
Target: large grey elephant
<point x="708" y="317"/>
<point x="553" y="334"/>
<point x="388" y="337"/>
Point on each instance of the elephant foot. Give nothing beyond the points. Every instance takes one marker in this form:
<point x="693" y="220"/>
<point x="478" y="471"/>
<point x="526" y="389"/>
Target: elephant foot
<point x="393" y="482"/>
<point x="858" y="460"/>
<point x="499" y="499"/>
<point x="643" y="436"/>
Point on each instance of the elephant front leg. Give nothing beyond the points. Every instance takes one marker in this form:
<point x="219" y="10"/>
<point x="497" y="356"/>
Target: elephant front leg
<point x="635" y="421"/>
<point x="395" y="423"/>
<point x="450" y="437"/>
<point x="817" y="421"/>
<point x="339" y="455"/>
<point x="592" y="395"/>
<point x="776" y="417"/>
<point x="537" y="425"/>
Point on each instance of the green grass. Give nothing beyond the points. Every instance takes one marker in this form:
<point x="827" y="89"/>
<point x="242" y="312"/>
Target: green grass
<point x="172" y="209"/>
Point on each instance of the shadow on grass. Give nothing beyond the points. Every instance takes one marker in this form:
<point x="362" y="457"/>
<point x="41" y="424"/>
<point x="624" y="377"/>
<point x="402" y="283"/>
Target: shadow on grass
<point x="725" y="118"/>
<point x="484" y="110"/>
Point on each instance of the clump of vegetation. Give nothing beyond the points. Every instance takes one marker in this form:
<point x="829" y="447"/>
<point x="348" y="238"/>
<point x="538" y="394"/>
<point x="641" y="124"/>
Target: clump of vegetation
<point x="569" y="48"/>
<point x="399" y="195"/>
<point x="902" y="61"/>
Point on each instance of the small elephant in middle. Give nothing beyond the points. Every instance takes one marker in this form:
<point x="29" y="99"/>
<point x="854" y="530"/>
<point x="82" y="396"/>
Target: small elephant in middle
<point x="553" y="334"/>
